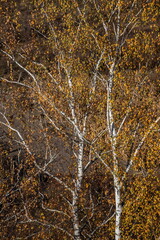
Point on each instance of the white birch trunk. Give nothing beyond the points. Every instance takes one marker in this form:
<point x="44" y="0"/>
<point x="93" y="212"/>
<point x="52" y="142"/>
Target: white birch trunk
<point x="117" y="189"/>
<point x="76" y="225"/>
<point x="113" y="135"/>
<point x="80" y="165"/>
<point x="80" y="134"/>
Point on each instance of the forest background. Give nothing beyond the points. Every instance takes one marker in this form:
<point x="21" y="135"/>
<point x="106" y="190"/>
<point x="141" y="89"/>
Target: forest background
<point x="79" y="119"/>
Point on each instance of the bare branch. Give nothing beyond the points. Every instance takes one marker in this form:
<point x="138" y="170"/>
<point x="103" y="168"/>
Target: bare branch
<point x="141" y="143"/>
<point x="53" y="210"/>
<point x="16" y="82"/>
<point x="23" y="68"/>
<point x="105" y="164"/>
<point x="102" y="224"/>
<point x="46" y="115"/>
<point x="22" y="142"/>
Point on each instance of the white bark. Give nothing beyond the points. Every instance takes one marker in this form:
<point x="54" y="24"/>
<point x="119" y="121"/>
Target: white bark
<point x="113" y="140"/>
<point x="117" y="190"/>
<point x="78" y="183"/>
<point x="76" y="226"/>
<point x="80" y="165"/>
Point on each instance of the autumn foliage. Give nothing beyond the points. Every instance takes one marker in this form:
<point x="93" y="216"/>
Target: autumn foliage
<point x="79" y="119"/>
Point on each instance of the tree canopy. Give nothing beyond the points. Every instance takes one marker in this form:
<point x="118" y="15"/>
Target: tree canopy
<point x="79" y="119"/>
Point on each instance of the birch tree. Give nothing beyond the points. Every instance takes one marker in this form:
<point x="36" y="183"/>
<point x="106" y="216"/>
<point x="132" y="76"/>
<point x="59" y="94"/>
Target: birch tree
<point x="117" y="30"/>
<point x="86" y="68"/>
